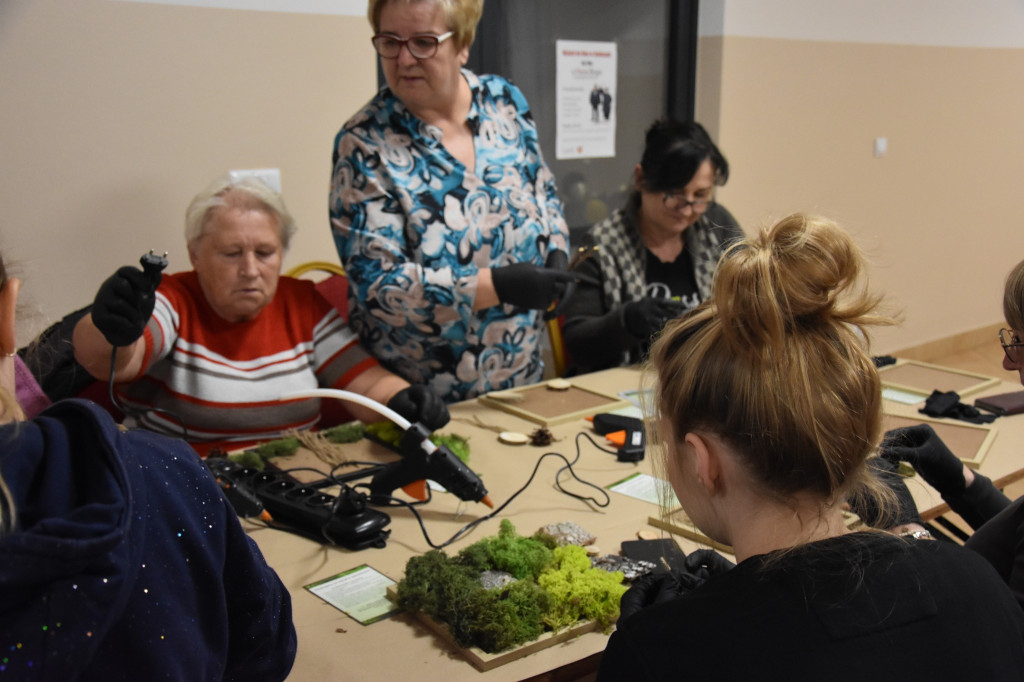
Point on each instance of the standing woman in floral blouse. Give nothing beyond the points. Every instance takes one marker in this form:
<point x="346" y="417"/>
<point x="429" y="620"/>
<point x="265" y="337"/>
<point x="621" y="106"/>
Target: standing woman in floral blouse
<point x="445" y="216"/>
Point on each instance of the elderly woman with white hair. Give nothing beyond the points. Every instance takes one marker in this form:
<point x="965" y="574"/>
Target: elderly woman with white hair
<point x="208" y="353"/>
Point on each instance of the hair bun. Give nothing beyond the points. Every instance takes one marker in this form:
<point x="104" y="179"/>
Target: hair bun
<point x="797" y="274"/>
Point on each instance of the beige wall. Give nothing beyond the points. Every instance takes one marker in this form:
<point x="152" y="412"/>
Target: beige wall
<point x="940" y="215"/>
<point x="115" y="114"/>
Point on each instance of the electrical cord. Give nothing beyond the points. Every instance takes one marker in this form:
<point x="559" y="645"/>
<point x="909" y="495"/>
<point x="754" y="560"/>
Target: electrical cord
<point x="138" y="414"/>
<point x="397" y="502"/>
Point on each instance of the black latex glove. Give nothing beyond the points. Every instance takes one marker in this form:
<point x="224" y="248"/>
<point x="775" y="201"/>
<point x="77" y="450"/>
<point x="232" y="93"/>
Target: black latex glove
<point x="922" y="448"/>
<point x="528" y="286"/>
<point x="417" y="403"/>
<point x="704" y="563"/>
<point x="867" y="508"/>
<point x="123" y="305"/>
<point x="647" y="317"/>
<point x="557" y="260"/>
<point x="652" y="588"/>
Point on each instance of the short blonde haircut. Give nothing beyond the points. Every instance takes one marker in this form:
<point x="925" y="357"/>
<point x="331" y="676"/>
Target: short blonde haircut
<point x="462" y="16"/>
<point x="1013" y="298"/>
<point x="775" y="363"/>
<point x="248" y="193"/>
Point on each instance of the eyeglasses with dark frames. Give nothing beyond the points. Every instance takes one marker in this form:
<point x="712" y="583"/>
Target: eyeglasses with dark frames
<point x="1010" y="343"/>
<point x="421" y="45"/>
<point x="678" y="202"/>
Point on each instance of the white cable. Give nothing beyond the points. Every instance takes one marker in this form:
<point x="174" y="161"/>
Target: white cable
<point x="372" y="404"/>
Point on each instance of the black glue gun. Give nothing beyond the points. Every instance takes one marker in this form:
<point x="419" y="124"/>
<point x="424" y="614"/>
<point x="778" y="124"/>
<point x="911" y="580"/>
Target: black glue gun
<point x="421" y="460"/>
<point x="625" y="432"/>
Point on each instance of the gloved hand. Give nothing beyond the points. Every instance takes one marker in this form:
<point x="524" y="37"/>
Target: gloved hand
<point x="123" y="305"/>
<point x="647" y="317"/>
<point x="654" y="588"/>
<point x="922" y="448"/>
<point x="418" y="403"/>
<point x="705" y="563"/>
<point x="658" y="587"/>
<point x="528" y="286"/>
<point x="867" y="508"/>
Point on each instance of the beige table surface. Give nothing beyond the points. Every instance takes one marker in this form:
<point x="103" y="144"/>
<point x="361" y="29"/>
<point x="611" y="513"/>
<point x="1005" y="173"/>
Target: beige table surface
<point x="331" y="646"/>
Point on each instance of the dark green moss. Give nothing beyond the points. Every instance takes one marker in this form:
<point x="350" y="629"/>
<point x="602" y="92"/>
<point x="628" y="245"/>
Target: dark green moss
<point x="449" y="590"/>
<point x="523" y="557"/>
<point x="388" y="433"/>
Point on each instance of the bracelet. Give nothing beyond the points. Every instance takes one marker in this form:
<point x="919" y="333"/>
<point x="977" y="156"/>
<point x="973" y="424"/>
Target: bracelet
<point x="917" y="534"/>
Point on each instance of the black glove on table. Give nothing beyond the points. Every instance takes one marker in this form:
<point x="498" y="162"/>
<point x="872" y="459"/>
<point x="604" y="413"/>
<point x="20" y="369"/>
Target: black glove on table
<point x="418" y="403"/>
<point x="647" y="317"/>
<point x="123" y="305"/>
<point x="947" y="404"/>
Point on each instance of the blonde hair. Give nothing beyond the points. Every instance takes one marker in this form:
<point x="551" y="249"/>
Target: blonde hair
<point x="248" y="193"/>
<point x="462" y="16"/>
<point x="776" y="363"/>
<point x="1013" y="298"/>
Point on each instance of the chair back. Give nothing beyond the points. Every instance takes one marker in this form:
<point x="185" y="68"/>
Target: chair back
<point x="334" y="287"/>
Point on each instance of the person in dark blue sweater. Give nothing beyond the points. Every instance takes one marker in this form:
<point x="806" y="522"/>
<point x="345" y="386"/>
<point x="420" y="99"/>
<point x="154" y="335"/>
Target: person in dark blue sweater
<point x="119" y="556"/>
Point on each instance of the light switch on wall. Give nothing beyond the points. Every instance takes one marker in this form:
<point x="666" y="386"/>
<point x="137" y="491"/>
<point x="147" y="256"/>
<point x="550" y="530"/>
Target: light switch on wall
<point x="881" y="146"/>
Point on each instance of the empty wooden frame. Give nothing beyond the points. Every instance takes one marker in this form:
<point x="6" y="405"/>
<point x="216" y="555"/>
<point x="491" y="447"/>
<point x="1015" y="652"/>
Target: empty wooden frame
<point x="921" y="378"/>
<point x="969" y="442"/>
<point x="548" y="406"/>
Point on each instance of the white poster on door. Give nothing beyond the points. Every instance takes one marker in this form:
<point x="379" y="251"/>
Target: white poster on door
<point x="585" y="100"/>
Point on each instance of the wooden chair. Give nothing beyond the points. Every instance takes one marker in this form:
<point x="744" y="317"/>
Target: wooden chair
<point x="334" y="287"/>
<point x="559" y="357"/>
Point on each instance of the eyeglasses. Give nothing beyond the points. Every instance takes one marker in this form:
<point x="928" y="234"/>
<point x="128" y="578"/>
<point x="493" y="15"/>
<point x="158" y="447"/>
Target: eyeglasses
<point x="421" y="46"/>
<point x="1010" y="343"/>
<point x="677" y="202"/>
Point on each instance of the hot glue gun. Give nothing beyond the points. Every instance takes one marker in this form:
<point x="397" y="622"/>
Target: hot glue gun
<point x="421" y="460"/>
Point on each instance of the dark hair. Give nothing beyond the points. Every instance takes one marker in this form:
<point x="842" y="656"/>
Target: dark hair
<point x="674" y="150"/>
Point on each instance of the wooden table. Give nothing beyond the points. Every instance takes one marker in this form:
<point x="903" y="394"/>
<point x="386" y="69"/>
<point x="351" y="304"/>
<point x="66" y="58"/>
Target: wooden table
<point x="333" y="646"/>
<point x="1003" y="463"/>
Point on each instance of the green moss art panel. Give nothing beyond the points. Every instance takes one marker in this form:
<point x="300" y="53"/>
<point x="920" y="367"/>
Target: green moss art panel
<point x="556" y="589"/>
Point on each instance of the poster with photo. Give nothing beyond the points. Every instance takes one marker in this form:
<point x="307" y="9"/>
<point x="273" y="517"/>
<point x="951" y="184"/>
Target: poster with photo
<point x="585" y="101"/>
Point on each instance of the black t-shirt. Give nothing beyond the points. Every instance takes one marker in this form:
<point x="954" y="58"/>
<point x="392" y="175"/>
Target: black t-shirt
<point x="674" y="280"/>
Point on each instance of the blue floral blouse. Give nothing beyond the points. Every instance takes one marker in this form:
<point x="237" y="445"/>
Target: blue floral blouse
<point x="413" y="226"/>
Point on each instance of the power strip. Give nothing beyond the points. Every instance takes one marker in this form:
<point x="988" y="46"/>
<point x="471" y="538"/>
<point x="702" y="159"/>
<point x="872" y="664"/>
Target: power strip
<point x="342" y="519"/>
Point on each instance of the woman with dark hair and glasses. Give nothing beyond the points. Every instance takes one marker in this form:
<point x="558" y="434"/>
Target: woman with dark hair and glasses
<point x="655" y="257"/>
<point x="443" y="212"/>
<point x="998" y="523"/>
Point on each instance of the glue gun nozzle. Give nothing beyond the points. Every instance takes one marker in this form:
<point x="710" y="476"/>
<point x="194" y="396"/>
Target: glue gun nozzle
<point x="486" y="499"/>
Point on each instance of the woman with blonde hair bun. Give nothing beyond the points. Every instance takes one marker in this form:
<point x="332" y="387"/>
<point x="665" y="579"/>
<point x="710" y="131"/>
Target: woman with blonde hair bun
<point x="769" y="407"/>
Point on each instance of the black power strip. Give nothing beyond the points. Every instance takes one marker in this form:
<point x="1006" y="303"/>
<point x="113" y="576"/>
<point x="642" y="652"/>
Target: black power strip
<point x="342" y="519"/>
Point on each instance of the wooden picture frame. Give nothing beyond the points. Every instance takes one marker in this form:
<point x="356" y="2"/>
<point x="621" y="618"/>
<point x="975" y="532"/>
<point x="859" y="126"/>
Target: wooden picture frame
<point x="678" y="523"/>
<point x="483" y="661"/>
<point x="969" y="442"/>
<point x="547" y="406"/>
<point x="922" y="378"/>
